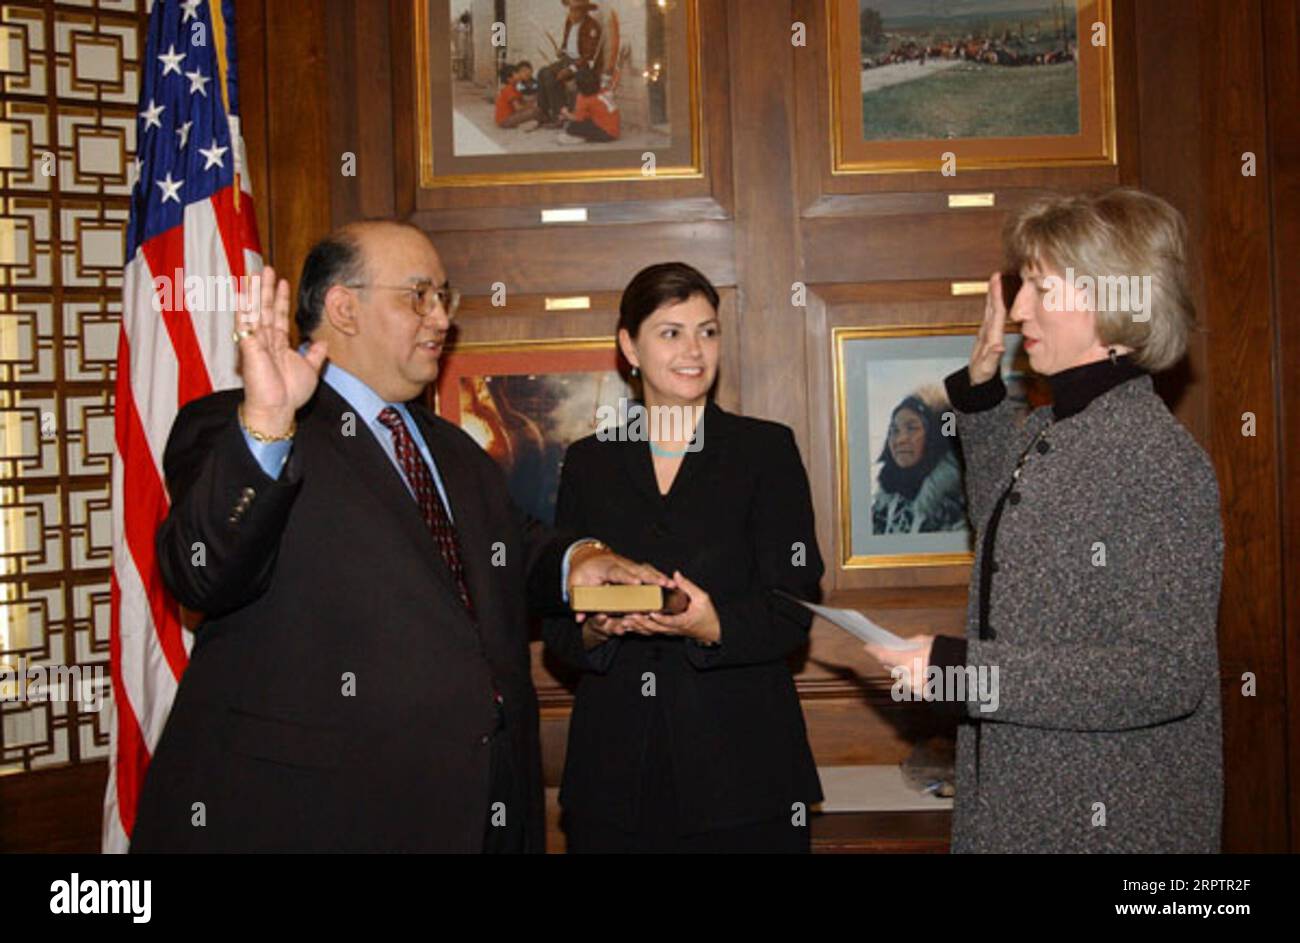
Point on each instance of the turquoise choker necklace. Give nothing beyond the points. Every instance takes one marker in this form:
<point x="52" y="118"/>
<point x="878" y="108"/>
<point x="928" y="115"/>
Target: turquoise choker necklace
<point x="666" y="453"/>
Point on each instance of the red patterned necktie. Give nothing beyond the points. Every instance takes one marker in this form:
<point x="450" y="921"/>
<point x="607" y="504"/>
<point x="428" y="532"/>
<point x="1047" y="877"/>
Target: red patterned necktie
<point x="426" y="493"/>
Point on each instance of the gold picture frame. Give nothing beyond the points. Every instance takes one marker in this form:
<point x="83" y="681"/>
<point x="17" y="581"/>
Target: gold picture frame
<point x="852" y="152"/>
<point x="864" y="409"/>
<point x="441" y="167"/>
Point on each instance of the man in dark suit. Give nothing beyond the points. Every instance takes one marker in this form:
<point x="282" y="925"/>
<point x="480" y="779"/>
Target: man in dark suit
<point x="360" y="679"/>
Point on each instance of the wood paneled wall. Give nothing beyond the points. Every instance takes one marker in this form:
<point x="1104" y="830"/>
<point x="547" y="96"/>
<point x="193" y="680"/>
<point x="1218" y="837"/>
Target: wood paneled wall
<point x="1198" y="84"/>
<point x="1195" y="88"/>
<point x="1282" y="80"/>
<point x="1204" y="106"/>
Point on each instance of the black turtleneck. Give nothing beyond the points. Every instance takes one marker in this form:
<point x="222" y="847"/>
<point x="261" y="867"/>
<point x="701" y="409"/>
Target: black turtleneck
<point x="1072" y="391"/>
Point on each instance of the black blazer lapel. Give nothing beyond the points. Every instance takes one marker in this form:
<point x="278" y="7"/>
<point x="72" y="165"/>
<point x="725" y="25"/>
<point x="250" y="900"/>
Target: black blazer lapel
<point x="710" y="433"/>
<point x="373" y="469"/>
<point x="635" y="460"/>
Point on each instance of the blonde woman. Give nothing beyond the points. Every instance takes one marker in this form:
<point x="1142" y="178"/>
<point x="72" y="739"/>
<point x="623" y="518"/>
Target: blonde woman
<point x="1094" y="721"/>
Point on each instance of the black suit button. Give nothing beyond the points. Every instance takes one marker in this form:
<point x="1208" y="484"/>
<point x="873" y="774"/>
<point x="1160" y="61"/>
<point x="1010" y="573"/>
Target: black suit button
<point x="233" y="519"/>
<point x="248" y="494"/>
<point x="1043" y="447"/>
<point x="485" y="739"/>
<point x="1014" y="497"/>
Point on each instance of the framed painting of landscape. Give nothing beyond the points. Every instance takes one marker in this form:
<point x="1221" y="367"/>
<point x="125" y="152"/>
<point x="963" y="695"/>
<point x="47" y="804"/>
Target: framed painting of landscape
<point x="958" y="85"/>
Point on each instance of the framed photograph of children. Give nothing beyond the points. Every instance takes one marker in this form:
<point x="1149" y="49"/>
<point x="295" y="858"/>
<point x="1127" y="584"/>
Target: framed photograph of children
<point x="526" y="402"/>
<point x="544" y="91"/>
<point x="899" y="467"/>
<point x="972" y="84"/>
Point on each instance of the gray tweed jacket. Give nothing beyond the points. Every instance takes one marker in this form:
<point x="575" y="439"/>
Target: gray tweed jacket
<point x="1106" y="735"/>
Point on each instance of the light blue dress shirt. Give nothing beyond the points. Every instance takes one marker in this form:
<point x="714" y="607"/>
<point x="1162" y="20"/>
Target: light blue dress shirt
<point x="368" y="405"/>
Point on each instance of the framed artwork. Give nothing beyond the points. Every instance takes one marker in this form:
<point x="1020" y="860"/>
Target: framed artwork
<point x="545" y="91"/>
<point x="899" y="469"/>
<point x="998" y="84"/>
<point x="528" y="401"/>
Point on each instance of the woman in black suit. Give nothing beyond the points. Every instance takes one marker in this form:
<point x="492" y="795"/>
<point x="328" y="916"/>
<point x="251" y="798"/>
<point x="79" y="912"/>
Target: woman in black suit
<point x="686" y="732"/>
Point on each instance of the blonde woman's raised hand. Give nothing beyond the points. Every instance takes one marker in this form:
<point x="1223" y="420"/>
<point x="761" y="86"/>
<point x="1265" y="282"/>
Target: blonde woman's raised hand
<point x="989" y="343"/>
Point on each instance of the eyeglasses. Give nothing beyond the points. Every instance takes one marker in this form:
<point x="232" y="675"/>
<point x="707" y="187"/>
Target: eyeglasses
<point x="424" y="296"/>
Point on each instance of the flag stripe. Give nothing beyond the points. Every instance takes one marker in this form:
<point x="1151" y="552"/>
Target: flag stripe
<point x="165" y="254"/>
<point x="130" y="754"/>
<point x="148" y="676"/>
<point x="147" y="507"/>
<point x="238" y="227"/>
<point x="153" y="370"/>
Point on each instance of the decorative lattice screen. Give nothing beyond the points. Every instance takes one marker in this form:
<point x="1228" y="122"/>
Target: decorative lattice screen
<point x="70" y="73"/>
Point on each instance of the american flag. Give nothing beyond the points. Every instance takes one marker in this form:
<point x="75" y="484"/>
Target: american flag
<point x="191" y="235"/>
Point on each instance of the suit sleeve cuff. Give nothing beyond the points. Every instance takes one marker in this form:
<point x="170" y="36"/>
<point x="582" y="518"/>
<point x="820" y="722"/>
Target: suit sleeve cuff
<point x="703" y="655"/>
<point x="976" y="398"/>
<point x="270" y="455"/>
<point x="564" y="565"/>
<point x="948" y="652"/>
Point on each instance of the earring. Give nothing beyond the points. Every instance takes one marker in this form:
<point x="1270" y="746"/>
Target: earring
<point x="1114" y="357"/>
<point x="636" y="371"/>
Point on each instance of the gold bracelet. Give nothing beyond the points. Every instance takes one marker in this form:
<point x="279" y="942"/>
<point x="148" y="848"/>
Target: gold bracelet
<point x="589" y="543"/>
<point x="262" y="436"/>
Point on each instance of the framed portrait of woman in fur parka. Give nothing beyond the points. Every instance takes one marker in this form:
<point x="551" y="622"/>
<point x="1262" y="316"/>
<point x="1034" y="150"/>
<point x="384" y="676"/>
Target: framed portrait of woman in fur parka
<point x="899" y="464"/>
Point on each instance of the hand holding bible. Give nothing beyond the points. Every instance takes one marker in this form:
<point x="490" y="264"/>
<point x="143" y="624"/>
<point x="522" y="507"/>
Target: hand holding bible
<point x="699" y="621"/>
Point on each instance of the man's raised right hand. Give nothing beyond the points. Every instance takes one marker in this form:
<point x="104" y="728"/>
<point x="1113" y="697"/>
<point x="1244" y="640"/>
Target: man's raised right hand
<point x="277" y="378"/>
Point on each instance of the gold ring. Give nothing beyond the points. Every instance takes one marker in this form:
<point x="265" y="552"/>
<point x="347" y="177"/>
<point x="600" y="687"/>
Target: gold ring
<point x="242" y="332"/>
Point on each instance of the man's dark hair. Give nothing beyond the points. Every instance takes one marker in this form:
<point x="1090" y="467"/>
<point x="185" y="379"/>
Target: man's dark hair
<point x="508" y="72"/>
<point x="335" y="260"/>
<point x="653" y="287"/>
<point x="523" y="64"/>
<point x="588" y="82"/>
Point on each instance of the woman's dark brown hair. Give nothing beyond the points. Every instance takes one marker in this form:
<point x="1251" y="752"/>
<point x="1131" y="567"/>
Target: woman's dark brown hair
<point x="653" y="287"/>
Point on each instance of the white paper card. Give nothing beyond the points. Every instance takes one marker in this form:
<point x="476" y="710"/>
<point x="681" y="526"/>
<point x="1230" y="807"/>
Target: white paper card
<point x="856" y="624"/>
